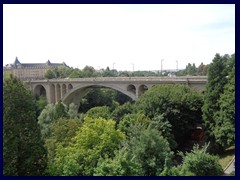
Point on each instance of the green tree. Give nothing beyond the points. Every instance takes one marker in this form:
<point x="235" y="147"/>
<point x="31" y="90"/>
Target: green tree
<point x="89" y="71"/>
<point x="76" y="73"/>
<point x="63" y="71"/>
<point x="23" y="151"/>
<point x="50" y="74"/>
<point x="96" y="138"/>
<point x="72" y="111"/>
<point x="41" y="102"/>
<point x="217" y="78"/>
<point x="108" y="73"/>
<point x="121" y="165"/>
<point x="164" y="126"/>
<point x="63" y="130"/>
<point x="224" y="130"/>
<point x="201" y="163"/>
<point x="180" y="105"/>
<point x="99" y="111"/>
<point x="50" y="114"/>
<point x="143" y="153"/>
<point x="121" y="111"/>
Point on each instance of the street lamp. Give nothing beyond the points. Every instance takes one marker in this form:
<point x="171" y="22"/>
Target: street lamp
<point x="161" y="65"/>
<point x="133" y="67"/>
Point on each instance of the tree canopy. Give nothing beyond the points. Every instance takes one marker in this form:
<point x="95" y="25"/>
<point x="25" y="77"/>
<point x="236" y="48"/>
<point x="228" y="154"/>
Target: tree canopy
<point x="23" y="151"/>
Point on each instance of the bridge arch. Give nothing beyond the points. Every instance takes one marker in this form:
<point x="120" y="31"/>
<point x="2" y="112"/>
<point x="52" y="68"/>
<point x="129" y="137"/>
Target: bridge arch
<point x="75" y="94"/>
<point x="39" y="90"/>
<point x="142" y="89"/>
<point x="132" y="89"/>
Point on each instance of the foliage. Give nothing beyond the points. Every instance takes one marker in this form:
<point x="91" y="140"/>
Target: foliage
<point x="96" y="138"/>
<point x="6" y="74"/>
<point x="49" y="114"/>
<point x="224" y="130"/>
<point x="102" y="97"/>
<point x="50" y="74"/>
<point x="176" y="171"/>
<point x="217" y="78"/>
<point x="165" y="128"/>
<point x="202" y="70"/>
<point x="120" y="111"/>
<point x="189" y="70"/>
<point x="143" y="153"/>
<point x="101" y="111"/>
<point x="23" y="151"/>
<point x="41" y="102"/>
<point x="72" y="111"/>
<point x="62" y="131"/>
<point x="202" y="163"/>
<point x="128" y="120"/>
<point x="180" y="105"/>
<point x="121" y="165"/>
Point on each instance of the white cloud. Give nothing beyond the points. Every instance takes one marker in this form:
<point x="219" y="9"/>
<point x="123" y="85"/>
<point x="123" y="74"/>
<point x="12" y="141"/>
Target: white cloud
<point x="100" y="35"/>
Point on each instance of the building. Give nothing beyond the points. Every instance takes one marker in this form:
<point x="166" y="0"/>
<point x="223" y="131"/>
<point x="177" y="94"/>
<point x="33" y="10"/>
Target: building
<point x="28" y="71"/>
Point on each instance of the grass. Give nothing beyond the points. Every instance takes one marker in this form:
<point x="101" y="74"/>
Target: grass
<point x="226" y="157"/>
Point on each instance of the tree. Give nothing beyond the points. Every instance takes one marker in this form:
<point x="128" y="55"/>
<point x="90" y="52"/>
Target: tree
<point x="217" y="78"/>
<point x="41" y="102"/>
<point x="50" y="74"/>
<point x="99" y="111"/>
<point x="95" y="139"/>
<point x="122" y="110"/>
<point x="63" y="130"/>
<point x="89" y="71"/>
<point x="143" y="153"/>
<point x="50" y="114"/>
<point x="224" y="130"/>
<point x="180" y="105"/>
<point x="23" y="151"/>
<point x="121" y="165"/>
<point x="72" y="110"/>
<point x="201" y="163"/>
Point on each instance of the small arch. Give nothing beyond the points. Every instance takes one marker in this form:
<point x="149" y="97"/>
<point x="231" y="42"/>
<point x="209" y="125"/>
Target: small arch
<point x="58" y="90"/>
<point x="142" y="89"/>
<point x="70" y="87"/>
<point x="40" y="90"/>
<point x="64" y="89"/>
<point x="132" y="89"/>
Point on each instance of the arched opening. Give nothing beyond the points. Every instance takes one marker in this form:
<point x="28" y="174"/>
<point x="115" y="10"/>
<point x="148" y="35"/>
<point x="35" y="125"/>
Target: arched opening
<point x="77" y="93"/>
<point x="40" y="90"/>
<point x="64" y="89"/>
<point x="142" y="89"/>
<point x="132" y="89"/>
<point x="70" y="87"/>
<point x="95" y="96"/>
<point x="58" y="92"/>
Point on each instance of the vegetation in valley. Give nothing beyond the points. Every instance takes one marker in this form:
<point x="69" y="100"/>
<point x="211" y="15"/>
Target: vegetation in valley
<point x="109" y="134"/>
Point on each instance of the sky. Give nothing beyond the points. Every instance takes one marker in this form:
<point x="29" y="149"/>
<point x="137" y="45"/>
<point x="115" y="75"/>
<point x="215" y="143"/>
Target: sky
<point x="120" y="36"/>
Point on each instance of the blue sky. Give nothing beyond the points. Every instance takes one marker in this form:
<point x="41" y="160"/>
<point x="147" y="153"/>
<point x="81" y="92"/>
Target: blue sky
<point x="103" y="35"/>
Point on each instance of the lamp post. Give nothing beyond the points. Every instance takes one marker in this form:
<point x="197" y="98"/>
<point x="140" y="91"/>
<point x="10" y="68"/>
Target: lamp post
<point x="133" y="67"/>
<point x="161" y="65"/>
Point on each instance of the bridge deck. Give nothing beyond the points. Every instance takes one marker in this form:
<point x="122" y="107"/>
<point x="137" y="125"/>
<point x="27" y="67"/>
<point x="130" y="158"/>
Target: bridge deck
<point x="128" y="79"/>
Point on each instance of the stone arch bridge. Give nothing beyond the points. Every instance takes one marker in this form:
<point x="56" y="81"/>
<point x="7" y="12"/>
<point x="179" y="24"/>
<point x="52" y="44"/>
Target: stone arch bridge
<point x="73" y="89"/>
